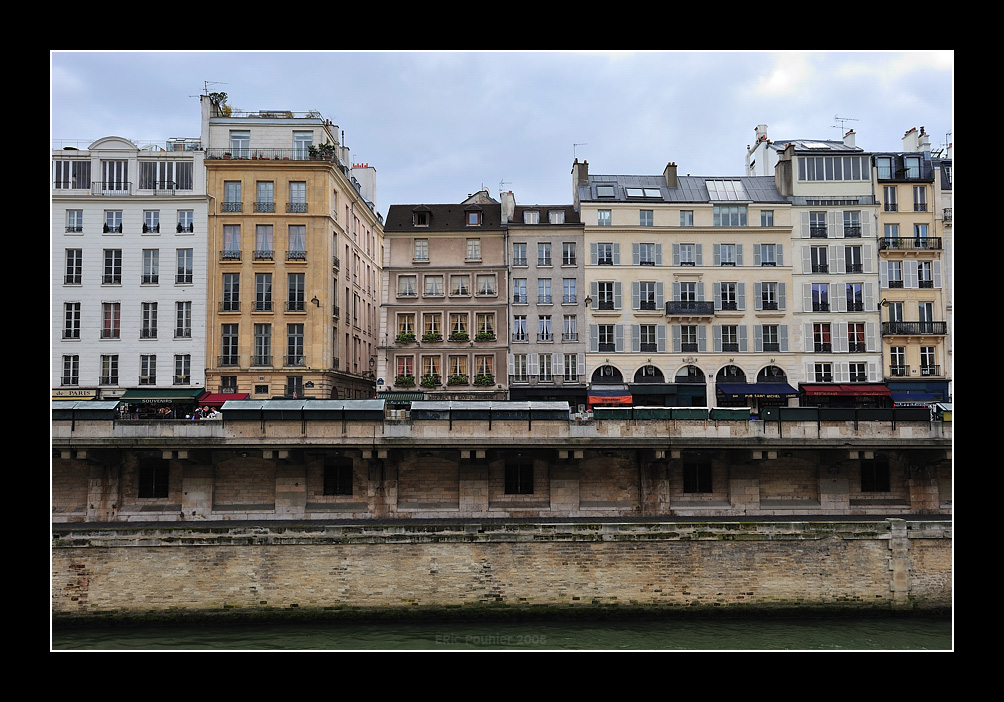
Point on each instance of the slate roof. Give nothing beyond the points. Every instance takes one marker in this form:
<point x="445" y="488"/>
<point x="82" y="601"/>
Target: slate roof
<point x="689" y="188"/>
<point x="442" y="218"/>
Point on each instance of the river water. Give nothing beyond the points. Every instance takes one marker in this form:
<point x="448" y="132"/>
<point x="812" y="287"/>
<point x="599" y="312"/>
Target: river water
<point x="876" y="633"/>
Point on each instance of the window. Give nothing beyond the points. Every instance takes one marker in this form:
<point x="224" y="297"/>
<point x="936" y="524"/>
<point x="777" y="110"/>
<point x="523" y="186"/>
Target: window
<point x="519" y="477"/>
<point x="148" y="329"/>
<point x="817" y="225"/>
<point x="484" y="366"/>
<point x="730" y="338"/>
<point x="544" y="328"/>
<point x="294" y="345"/>
<point x="406" y="286"/>
<point x="645" y="218"/>
<point x="460" y="285"/>
<point x="406" y="323"/>
<point x="697" y="475"/>
<point x="568" y="253"/>
<point x="519" y="327"/>
<point x="519" y="254"/>
<point x="186" y="221"/>
<point x="71" y="175"/>
<point x="569" y="330"/>
<point x="546" y="371"/>
<point x="432" y="324"/>
<point x="728" y="293"/>
<point x="111" y="318"/>
<point x="925" y="274"/>
<point x="151" y="222"/>
<point x="519" y="290"/>
<point x="884" y="166"/>
<point x="855" y="297"/>
<point x="297" y="248"/>
<point x="264" y="196"/>
<point x="113" y="267"/>
<point x="294" y="386"/>
<point x="605" y="254"/>
<point x="240" y="143"/>
<point x="766" y="218"/>
<point x="769" y="296"/>
<point x="74" y="221"/>
<point x="820" y="297"/>
<point x="687" y="254"/>
<point x="648" y="343"/>
<point x="729" y="215"/>
<point x="603" y="218"/>
<point x="895" y="273"/>
<point x="229" y="346"/>
<point x="183" y="320"/>
<point x="889" y="195"/>
<point x="231" y="293"/>
<point x="185" y="267"/>
<point x="486" y="324"/>
<point x="74" y="266"/>
<point x="232" y="196"/>
<point x="405" y="366"/>
<point x="151" y="266"/>
<point x="473" y="219"/>
<point x="648" y="254"/>
<point x="263" y="250"/>
<point x="147" y="370"/>
<point x="531" y="217"/>
<point x="571" y="368"/>
<point x="821" y="342"/>
<point x="544" y="291"/>
<point x="768" y="255"/>
<point x="544" y="254"/>
<point x="296" y="292"/>
<point x="919" y="232"/>
<point x="421" y="249"/>
<point x="875" y="475"/>
<point x="338" y="476"/>
<point x="852" y="259"/>
<point x="686" y="218"/>
<point x="153" y="478"/>
<point x="262" y="355"/>
<point x="556" y="216"/>
<point x="486" y="284"/>
<point x="928" y="362"/>
<point x="834" y="168"/>
<point x="520" y="373"/>
<point x="852" y="225"/>
<point x="818" y="259"/>
<point x="912" y="166"/>
<point x="647" y="295"/>
<point x="897" y="361"/>
<point x="607" y="340"/>
<point x="458" y="324"/>
<point x="568" y="290"/>
<point x="606" y="296"/>
<point x="770" y="338"/>
<point x="71" y="370"/>
<point x="71" y="320"/>
<point x="474" y="249"/>
<point x="109" y="370"/>
<point x="114" y="176"/>
<point x="822" y="372"/>
<point x="604" y="191"/>
<point x="228" y="383"/>
<point x="430" y="368"/>
<point x="182" y="369"/>
<point x="856" y="338"/>
<point x="231" y="242"/>
<point x="727" y="255"/>
<point x="302" y="141"/>
<point x="895" y="311"/>
<point x="263" y="292"/>
<point x="433" y="286"/>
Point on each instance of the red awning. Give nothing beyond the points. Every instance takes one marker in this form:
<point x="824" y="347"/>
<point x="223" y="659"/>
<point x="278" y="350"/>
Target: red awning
<point x="847" y="390"/>
<point x="216" y="399"/>
<point x="605" y="401"/>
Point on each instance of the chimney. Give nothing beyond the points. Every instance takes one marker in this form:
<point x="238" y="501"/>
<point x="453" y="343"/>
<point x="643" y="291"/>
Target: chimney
<point x="580" y="176"/>
<point x="508" y="205"/>
<point x="670" y="174"/>
<point x="911" y="141"/>
<point x="761" y="133"/>
<point x="924" y="140"/>
<point x="849" y="138"/>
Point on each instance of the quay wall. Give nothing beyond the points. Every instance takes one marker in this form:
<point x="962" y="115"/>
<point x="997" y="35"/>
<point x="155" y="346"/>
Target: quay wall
<point x="514" y="568"/>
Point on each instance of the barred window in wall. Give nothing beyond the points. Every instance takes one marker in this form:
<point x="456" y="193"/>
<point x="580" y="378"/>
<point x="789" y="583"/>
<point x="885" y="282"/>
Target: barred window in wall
<point x="166" y="175"/>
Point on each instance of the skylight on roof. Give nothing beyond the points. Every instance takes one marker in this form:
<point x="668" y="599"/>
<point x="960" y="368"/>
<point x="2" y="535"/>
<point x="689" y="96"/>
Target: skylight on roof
<point x="604" y="191"/>
<point x="643" y="192"/>
<point x="726" y="190"/>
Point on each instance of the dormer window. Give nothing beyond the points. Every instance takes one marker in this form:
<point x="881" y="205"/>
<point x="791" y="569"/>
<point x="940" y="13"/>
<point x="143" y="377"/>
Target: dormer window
<point x="604" y="191"/>
<point x="473" y="219"/>
<point x="421" y="219"/>
<point x="556" y="216"/>
<point x="531" y="217"/>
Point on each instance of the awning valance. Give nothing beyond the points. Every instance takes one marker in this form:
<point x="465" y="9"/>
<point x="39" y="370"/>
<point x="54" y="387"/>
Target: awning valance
<point x="762" y="390"/>
<point x="161" y="396"/>
<point x="216" y="399"/>
<point x="847" y="390"/>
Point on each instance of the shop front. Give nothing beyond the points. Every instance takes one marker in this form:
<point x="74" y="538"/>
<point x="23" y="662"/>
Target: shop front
<point x="756" y="396"/>
<point x="159" y="403"/>
<point x="865" y="395"/>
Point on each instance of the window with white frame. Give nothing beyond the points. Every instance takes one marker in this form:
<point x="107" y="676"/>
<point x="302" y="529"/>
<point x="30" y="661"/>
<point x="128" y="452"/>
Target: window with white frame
<point x="262" y="292"/>
<point x="648" y="295"/>
<point x="486" y="324"/>
<point x="474" y="249"/>
<point x="855" y="297"/>
<point x="240" y="143"/>
<point x="823" y="372"/>
<point x="520" y="368"/>
<point x="519" y="254"/>
<point x="74" y="221"/>
<point x="183" y="320"/>
<point x="71" y="370"/>
<point x="571" y="368"/>
<point x="71" y="320"/>
<point x="519" y="327"/>
<point x="421" y="249"/>
<point x="852" y="225"/>
<point x="433" y="286"/>
<point x="486" y="284"/>
<point x="460" y="285"/>
<point x="645" y="218"/>
<point x="151" y="266"/>
<point x="232" y="196"/>
<point x="297" y="247"/>
<point x="820" y="297"/>
<point x="556" y="216"/>
<point x="231" y="293"/>
<point x="688" y="254"/>
<point x="604" y="254"/>
<point x="74" y="267"/>
<point x="113" y="222"/>
<point x="186" y="221"/>
<point x="111" y="320"/>
<point x="727" y="255"/>
<point x="766" y="218"/>
<point x="544" y="253"/>
<point x="603" y="218"/>
<point x="406" y="323"/>
<point x="821" y="340"/>
<point x="546" y="370"/>
<point x="109" y="370"/>
<point x="897" y="361"/>
<point x="302" y="141"/>
<point x="148" y="329"/>
<point x="606" y="337"/>
<point x="768" y="255"/>
<point x="264" y="196"/>
<point x="770" y="338"/>
<point x="889" y="196"/>
<point x="544" y="291"/>
<point x="185" y="270"/>
<point x="568" y="295"/>
<point x="294" y="345"/>
<point x="818" y="259"/>
<point x="405" y="366"/>
<point x="484" y="366"/>
<point x="928" y="361"/>
<point x="856" y="342"/>
<point x="729" y="215"/>
<point x="648" y="342"/>
<point x="647" y="254"/>
<point x="432" y="324"/>
<point x="857" y="372"/>
<point x="147" y="369"/>
<point x="263" y="245"/>
<point x="71" y="175"/>
<point x="151" y="222"/>
<point x="544" y="328"/>
<point x="531" y="217"/>
<point x="231" y="242"/>
<point x="686" y="218"/>
<point x="769" y="298"/>
<point x="728" y="293"/>
<point x="182" y="369"/>
<point x="568" y="253"/>
<point x="406" y="286"/>
<point x="519" y="290"/>
<point x="114" y="176"/>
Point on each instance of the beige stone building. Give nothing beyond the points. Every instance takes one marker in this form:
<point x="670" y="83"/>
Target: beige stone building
<point x="295" y="247"/>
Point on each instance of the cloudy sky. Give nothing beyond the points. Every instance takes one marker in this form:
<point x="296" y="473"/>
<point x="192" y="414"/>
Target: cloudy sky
<point x="440" y="125"/>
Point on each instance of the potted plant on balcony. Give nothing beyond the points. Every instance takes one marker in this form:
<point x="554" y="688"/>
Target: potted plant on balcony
<point x="432" y="336"/>
<point x="457" y="379"/>
<point x="405" y="381"/>
<point x="459" y="336"/>
<point x="227" y="156"/>
<point x="406" y="337"/>
<point x="485" y="336"/>
<point x="429" y="381"/>
<point x="484" y="380"/>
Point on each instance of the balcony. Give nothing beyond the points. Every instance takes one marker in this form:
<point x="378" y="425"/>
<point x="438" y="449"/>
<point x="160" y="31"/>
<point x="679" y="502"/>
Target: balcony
<point x="768" y="305"/>
<point x="820" y="306"/>
<point x="296" y="207"/>
<point x="228" y="360"/>
<point x="920" y="207"/>
<point x="854" y="268"/>
<point x="605" y="261"/>
<point x="296" y="306"/>
<point x="568" y="299"/>
<point x="183" y="333"/>
<point x="852" y="231"/>
<point x="296" y="255"/>
<point x="519" y="299"/>
<point x="231" y="255"/>
<point x="521" y="261"/>
<point x="927" y="243"/>
<point x="336" y="262"/>
<point x="820" y="347"/>
<point x="856" y="347"/>
<point x="545" y="336"/>
<point x="232" y="206"/>
<point x="820" y="268"/>
<point x="855" y="306"/>
<point x="689" y="347"/>
<point x="262" y="305"/>
<point x="264" y="207"/>
<point x="252" y="154"/>
<point x="520" y="337"/>
<point x="570" y="336"/>
<point x="230" y="306"/>
<point x="262" y="360"/>
<point x="543" y="299"/>
<point x="914" y="328"/>
<point x="648" y="347"/>
<point x="606" y="347"/>
<point x="263" y="254"/>
<point x="947" y="214"/>
<point x="769" y="347"/>
<point x="817" y="232"/>
<point x="544" y="261"/>
<point x="150" y="279"/>
<point x="295" y="360"/>
<point x="690" y="308"/>
<point x="727" y="306"/>
<point x="568" y="261"/>
<point x="335" y="311"/>
<point x="899" y="371"/>
<point x="186" y="228"/>
<point x="181" y="380"/>
<point x="891" y="207"/>
<point x="930" y="370"/>
<point x="151" y="229"/>
<point x="113" y="279"/>
<point x="730" y="347"/>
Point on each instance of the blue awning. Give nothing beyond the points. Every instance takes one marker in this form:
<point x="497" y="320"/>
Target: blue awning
<point x="755" y="390"/>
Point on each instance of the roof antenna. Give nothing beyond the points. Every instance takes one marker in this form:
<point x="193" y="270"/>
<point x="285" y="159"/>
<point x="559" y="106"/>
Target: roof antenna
<point x="842" y="126"/>
<point x="573" y="148"/>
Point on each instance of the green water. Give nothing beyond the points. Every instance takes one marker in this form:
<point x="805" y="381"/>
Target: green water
<point x="900" y="633"/>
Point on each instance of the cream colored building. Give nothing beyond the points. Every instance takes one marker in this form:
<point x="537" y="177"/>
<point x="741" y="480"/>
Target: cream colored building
<point x="689" y="289"/>
<point x="295" y="251"/>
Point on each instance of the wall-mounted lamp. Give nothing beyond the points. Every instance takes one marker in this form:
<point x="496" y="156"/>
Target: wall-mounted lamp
<point x="316" y="301"/>
<point x="588" y="301"/>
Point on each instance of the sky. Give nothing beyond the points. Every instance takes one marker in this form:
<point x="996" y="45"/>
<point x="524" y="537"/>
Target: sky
<point x="438" y="126"/>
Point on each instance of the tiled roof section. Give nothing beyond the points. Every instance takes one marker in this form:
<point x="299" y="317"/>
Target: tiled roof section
<point x="400" y="218"/>
<point x="571" y="216"/>
<point x="689" y="188"/>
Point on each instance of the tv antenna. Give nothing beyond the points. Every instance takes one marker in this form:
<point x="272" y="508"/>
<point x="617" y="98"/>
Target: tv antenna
<point x="842" y="126"/>
<point x="206" y="84"/>
<point x="503" y="183"/>
<point x="574" y="145"/>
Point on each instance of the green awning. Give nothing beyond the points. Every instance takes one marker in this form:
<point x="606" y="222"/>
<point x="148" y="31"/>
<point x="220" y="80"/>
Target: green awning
<point x="162" y="396"/>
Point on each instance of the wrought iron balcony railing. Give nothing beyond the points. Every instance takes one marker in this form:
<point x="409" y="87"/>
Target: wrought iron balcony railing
<point x="690" y="308"/>
<point x="927" y="243"/>
<point x="914" y="328"/>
